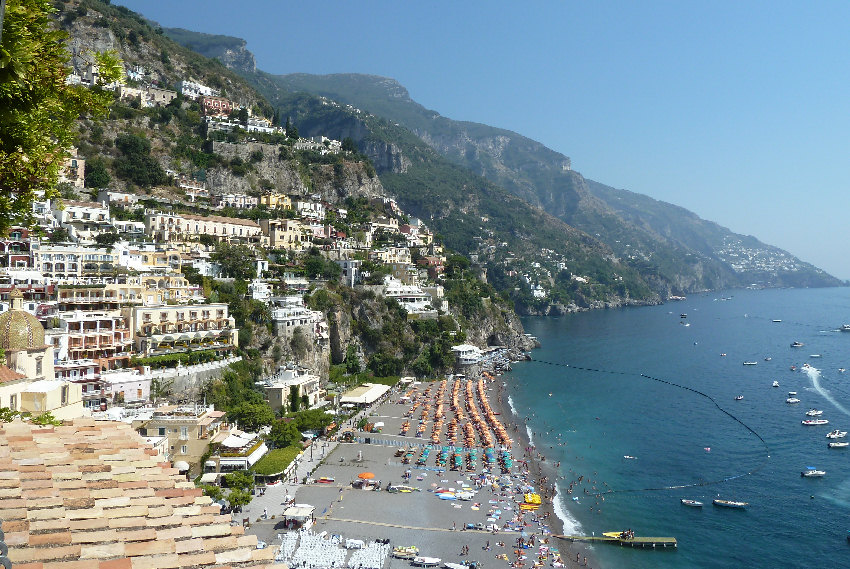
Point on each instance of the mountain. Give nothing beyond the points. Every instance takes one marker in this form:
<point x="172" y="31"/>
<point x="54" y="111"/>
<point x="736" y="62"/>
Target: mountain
<point x="671" y="249"/>
<point x="669" y="245"/>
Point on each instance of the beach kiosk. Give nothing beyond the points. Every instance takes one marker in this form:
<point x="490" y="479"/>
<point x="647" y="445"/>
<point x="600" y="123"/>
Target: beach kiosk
<point x="299" y="516"/>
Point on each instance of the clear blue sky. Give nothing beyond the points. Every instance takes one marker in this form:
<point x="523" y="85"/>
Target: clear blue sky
<point x="737" y="111"/>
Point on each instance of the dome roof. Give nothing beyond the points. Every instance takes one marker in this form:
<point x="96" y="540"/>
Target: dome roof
<point x="19" y="330"/>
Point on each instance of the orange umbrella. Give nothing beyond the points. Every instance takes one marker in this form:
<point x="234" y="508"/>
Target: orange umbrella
<point x="366" y="476"/>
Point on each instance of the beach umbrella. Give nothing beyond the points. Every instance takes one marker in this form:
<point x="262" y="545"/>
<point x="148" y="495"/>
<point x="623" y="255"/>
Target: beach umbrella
<point x="365" y="476"/>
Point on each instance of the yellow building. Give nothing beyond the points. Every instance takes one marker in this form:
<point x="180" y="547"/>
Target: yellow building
<point x="289" y="234"/>
<point x="167" y="329"/>
<point x="276" y="201"/>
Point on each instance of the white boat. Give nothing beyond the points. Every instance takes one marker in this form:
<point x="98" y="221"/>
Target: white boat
<point x="845" y="327"/>
<point x="815" y="421"/>
<point x="841" y="444"/>
<point x="797" y="344"/>
<point x="836" y="434"/>
<point x="730" y="504"/>
<point x="751" y="363"/>
<point x="426" y="561"/>
<point x="692" y="503"/>
<point x="792" y="400"/>
<point x="739" y="397"/>
<point x="812" y="473"/>
<point x="777" y="320"/>
<point x="775" y="383"/>
<point x="814" y="413"/>
<point x="814" y="355"/>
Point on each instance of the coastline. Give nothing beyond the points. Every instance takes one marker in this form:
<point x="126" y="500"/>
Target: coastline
<point x="452" y="529"/>
<point x="556" y="506"/>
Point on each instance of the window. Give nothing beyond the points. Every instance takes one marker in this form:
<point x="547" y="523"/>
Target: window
<point x="64" y="392"/>
<point x="184" y="449"/>
<point x="184" y="433"/>
<point x="38" y="366"/>
<point x="13" y="402"/>
<point x="162" y="432"/>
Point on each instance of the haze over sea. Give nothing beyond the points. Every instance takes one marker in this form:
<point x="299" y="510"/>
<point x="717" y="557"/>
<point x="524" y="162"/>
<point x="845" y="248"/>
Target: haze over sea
<point x="595" y="407"/>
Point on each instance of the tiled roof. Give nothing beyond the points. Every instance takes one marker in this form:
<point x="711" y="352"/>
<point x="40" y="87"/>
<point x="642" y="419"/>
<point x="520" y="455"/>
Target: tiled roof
<point x="93" y="495"/>
<point x="8" y="374"/>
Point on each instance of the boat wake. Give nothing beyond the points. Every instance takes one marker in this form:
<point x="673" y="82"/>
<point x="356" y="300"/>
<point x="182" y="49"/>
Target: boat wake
<point x="814" y="376"/>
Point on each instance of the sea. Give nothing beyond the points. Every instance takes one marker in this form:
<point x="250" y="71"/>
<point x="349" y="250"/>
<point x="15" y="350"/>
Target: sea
<point x="659" y="385"/>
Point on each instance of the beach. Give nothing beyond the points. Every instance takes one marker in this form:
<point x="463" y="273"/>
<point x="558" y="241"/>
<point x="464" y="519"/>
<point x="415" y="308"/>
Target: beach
<point x="469" y="510"/>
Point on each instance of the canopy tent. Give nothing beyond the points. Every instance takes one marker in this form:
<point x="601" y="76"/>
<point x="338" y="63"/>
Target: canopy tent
<point x="366" y="476"/>
<point x="365" y="394"/>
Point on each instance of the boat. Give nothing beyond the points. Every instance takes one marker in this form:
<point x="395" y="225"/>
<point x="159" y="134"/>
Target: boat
<point x="836" y="434"/>
<point x="777" y="320"/>
<point x="810" y="422"/>
<point x="775" y="383"/>
<point x="767" y="358"/>
<point x="751" y="363"/>
<point x="692" y="503"/>
<point x="812" y="472"/>
<point x="814" y="413"/>
<point x="845" y="328"/>
<point x="841" y="370"/>
<point x="683" y="315"/>
<point x="730" y="504"/>
<point x="426" y="561"/>
<point x="408" y="552"/>
<point x="629" y="457"/>
<point x="739" y="397"/>
<point x="840" y="444"/>
<point x="797" y="344"/>
<point x="792" y="400"/>
<point x="793" y="368"/>
<point x="814" y="355"/>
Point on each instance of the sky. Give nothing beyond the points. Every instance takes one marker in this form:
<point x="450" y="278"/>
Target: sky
<point x="737" y="111"/>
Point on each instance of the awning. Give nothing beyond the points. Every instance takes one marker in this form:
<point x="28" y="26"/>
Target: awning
<point x="181" y="465"/>
<point x="299" y="511"/>
<point x="209" y="478"/>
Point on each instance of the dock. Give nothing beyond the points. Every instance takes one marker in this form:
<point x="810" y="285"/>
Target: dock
<point x="643" y="542"/>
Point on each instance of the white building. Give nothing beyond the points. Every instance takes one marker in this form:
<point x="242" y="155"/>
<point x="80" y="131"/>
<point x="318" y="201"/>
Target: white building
<point x="193" y="90"/>
<point x="304" y="384"/>
<point x="467" y="354"/>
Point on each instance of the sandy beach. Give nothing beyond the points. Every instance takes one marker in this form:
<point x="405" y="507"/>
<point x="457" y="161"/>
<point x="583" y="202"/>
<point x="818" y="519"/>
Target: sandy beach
<point x="466" y="415"/>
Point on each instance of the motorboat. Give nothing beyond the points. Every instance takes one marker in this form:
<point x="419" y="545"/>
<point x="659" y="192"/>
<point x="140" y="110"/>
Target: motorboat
<point x="426" y="561"/>
<point x="792" y="400"/>
<point x="797" y="344"/>
<point x="792" y="394"/>
<point x="730" y="504"/>
<point x="812" y="472"/>
<point x="775" y="383"/>
<point x="845" y="328"/>
<point x="793" y="368"/>
<point x="777" y="320"/>
<point x="683" y="315"/>
<point x="751" y="363"/>
<point x="767" y="358"/>
<point x="840" y="444"/>
<point x="405" y="552"/>
<point x="692" y="503"/>
<point x="841" y="370"/>
<point x="814" y="413"/>
<point x="814" y="421"/>
<point x="814" y="355"/>
<point x="739" y="397"/>
<point x="836" y="434"/>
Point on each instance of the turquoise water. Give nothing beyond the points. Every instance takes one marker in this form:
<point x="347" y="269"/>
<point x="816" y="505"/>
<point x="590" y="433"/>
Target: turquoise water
<point x="600" y="408"/>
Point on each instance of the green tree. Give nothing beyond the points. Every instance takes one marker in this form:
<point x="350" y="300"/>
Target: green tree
<point x="348" y="144"/>
<point x="59" y="235"/>
<point x="284" y="433"/>
<point x="37" y="109"/>
<point x="236" y="261"/>
<point x="252" y="416"/>
<point x="239" y="480"/>
<point x="351" y="361"/>
<point x="238" y="498"/>
<point x="136" y="164"/>
<point x="107" y="239"/>
<point x="214" y="492"/>
<point x="97" y="176"/>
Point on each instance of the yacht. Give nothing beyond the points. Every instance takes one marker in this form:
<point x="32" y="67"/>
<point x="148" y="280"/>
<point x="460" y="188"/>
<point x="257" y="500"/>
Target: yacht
<point x="775" y="383"/>
<point x="840" y="444"/>
<point x="814" y="413"/>
<point x="792" y="400"/>
<point x="812" y="473"/>
<point x="845" y="327"/>
<point x="836" y="434"/>
<point x="797" y="344"/>
<point x="814" y="422"/>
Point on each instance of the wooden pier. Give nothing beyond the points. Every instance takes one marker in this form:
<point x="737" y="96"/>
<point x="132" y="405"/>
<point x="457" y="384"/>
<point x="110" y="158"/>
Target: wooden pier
<point x="643" y="542"/>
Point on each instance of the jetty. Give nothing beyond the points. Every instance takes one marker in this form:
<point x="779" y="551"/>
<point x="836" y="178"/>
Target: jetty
<point x="615" y="538"/>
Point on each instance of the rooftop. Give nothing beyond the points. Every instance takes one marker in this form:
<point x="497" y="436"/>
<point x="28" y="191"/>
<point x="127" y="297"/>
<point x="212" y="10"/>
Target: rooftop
<point x="94" y="493"/>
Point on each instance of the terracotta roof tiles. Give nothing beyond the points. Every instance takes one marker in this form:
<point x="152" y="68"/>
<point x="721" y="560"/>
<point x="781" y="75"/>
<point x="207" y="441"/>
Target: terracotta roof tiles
<point x="91" y="495"/>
